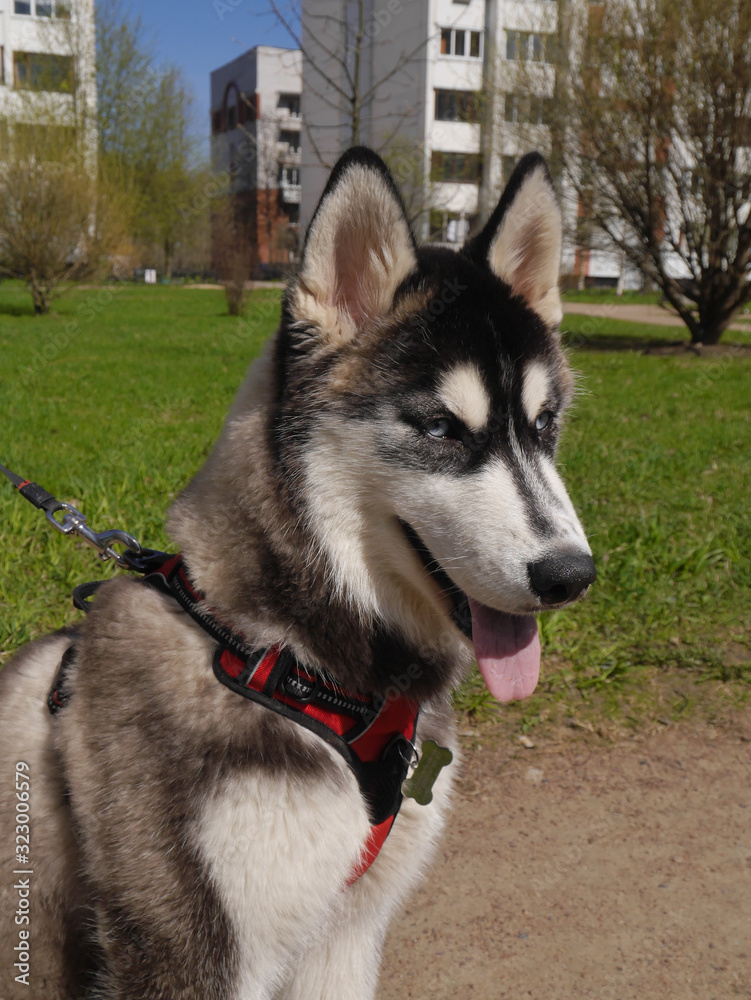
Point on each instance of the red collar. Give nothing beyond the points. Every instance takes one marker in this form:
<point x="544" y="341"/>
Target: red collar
<point x="374" y="735"/>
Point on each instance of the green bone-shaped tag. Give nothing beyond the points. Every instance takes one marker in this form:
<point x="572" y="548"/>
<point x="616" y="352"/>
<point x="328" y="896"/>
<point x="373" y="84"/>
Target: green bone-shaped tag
<point x="420" y="785"/>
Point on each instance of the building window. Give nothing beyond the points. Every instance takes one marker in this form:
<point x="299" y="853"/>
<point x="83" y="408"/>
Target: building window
<point x="247" y="108"/>
<point x="530" y="46"/>
<point x="290" y="103"/>
<point x="216" y="122"/>
<point x="43" y="8"/>
<point x="289" y="176"/>
<point x="461" y="43"/>
<point x="457" y="106"/>
<point x="230" y="103"/>
<point x="42" y="71"/>
<point x="448" y="227"/>
<point x="459" y="168"/>
<point x="291" y="140"/>
<point x="527" y="109"/>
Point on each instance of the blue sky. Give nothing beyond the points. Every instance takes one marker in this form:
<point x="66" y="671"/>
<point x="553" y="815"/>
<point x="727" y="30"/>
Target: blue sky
<point x="199" y="35"/>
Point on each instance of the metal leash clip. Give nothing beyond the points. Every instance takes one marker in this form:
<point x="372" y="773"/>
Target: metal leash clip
<point x="74" y="522"/>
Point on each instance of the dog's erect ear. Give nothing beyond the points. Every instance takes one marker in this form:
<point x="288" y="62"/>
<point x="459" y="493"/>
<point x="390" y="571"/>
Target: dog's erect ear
<point x="358" y="250"/>
<point x="521" y="243"/>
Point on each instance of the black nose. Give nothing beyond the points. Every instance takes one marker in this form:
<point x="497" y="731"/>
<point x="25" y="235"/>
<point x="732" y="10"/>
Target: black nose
<point x="561" y="578"/>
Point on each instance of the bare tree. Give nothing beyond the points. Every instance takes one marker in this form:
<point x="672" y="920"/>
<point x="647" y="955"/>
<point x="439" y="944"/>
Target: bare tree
<point x="660" y="122"/>
<point x="423" y="195"/>
<point x="233" y="252"/>
<point x="338" y="74"/>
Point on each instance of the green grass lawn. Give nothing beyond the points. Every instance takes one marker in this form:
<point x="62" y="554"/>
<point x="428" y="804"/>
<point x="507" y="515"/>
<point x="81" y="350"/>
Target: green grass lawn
<point x="114" y="400"/>
<point x="608" y="332"/>
<point x="608" y="295"/>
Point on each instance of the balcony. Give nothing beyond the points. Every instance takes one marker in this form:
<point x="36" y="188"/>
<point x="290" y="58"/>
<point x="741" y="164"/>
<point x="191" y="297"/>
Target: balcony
<point x="290" y="193"/>
<point x="288" y="155"/>
<point x="288" y="107"/>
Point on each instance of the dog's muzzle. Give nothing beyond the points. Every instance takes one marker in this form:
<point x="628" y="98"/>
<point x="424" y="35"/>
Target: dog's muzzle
<point x="560" y="579"/>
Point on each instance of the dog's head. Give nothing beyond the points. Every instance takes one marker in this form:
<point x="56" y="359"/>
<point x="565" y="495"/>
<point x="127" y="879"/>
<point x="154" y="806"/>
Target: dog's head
<point x="420" y="404"/>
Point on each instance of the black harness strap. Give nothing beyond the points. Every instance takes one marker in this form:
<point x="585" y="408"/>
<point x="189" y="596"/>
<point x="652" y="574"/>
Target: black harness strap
<point x="375" y="736"/>
<point x="59" y="696"/>
<point x="83" y="592"/>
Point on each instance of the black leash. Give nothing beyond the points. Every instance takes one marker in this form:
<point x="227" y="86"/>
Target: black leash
<point x="73" y="522"/>
<point x="289" y="689"/>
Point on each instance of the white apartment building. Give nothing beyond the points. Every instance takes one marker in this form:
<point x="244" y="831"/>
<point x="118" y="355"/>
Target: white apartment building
<point x="455" y="63"/>
<point x="255" y="139"/>
<point x="47" y="64"/>
<point x="453" y="93"/>
<point x="421" y="72"/>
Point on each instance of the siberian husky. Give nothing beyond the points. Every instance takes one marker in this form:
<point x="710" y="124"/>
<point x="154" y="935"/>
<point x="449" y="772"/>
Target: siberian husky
<point x="381" y="508"/>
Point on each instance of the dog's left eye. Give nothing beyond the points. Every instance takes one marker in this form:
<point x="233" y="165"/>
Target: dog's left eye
<point x="439" y="427"/>
<point x="544" y="419"/>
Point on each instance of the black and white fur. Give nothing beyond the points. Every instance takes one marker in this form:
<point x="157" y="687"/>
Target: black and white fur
<point x="187" y="843"/>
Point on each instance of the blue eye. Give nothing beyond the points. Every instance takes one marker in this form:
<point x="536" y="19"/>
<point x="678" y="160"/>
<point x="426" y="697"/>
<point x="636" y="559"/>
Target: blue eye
<point x="439" y="427"/>
<point x="543" y="420"/>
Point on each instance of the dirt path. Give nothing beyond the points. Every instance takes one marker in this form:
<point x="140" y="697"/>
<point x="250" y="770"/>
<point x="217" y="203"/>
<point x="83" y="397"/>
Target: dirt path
<point x="576" y="871"/>
<point x="637" y="313"/>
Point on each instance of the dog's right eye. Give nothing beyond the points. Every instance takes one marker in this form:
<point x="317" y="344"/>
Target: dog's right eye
<point x="439" y="427"/>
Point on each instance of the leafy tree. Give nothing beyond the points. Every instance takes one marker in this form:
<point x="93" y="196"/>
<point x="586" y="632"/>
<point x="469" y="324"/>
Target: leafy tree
<point x="58" y="221"/>
<point x="125" y="78"/>
<point x="659" y="129"/>
<point x="165" y="173"/>
<point x="145" y="137"/>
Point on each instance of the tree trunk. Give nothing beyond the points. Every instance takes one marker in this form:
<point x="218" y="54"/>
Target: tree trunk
<point x="709" y="331"/>
<point x="169" y="258"/>
<point x="356" y="87"/>
<point x="269" y="226"/>
<point x="41" y="297"/>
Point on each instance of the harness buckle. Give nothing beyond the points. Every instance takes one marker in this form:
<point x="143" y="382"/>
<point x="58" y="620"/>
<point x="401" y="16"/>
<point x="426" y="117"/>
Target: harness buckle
<point x="298" y="687"/>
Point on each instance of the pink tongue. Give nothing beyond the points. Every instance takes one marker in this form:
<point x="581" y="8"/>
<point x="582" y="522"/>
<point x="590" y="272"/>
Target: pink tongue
<point x="507" y="648"/>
